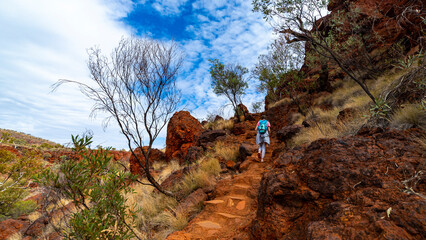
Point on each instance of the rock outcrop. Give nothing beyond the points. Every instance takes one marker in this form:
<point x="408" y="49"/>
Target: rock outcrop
<point x="183" y="131"/>
<point x="207" y="138"/>
<point x="155" y="155"/>
<point x="359" y="187"/>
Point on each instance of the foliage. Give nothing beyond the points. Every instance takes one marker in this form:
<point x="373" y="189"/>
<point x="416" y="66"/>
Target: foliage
<point x="345" y="46"/>
<point x="380" y="109"/>
<point x="15" y="175"/>
<point x="228" y="80"/>
<point x="136" y="87"/>
<point x="272" y="68"/>
<point x="408" y="61"/>
<point x="96" y="190"/>
<point x="257" y="107"/>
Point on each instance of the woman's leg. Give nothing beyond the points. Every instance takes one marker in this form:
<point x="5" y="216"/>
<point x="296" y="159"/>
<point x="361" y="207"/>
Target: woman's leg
<point x="263" y="150"/>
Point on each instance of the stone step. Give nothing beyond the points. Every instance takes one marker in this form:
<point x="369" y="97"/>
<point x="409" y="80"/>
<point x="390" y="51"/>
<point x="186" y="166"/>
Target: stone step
<point x="244" y="186"/>
<point x="237" y="197"/>
<point x="209" y="224"/>
<point x="227" y="215"/>
<point x="214" y="201"/>
<point x="241" y="205"/>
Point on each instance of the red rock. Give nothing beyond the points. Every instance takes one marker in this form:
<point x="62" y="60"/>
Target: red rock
<point x="155" y="155"/>
<point x="37" y="227"/>
<point x="287" y="132"/>
<point x="189" y="204"/>
<point x="245" y="150"/>
<point x="9" y="227"/>
<point x="341" y="189"/>
<point x="122" y="156"/>
<point x="183" y="131"/>
<point x="210" y="136"/>
<point x="230" y="164"/>
<point x="193" y="154"/>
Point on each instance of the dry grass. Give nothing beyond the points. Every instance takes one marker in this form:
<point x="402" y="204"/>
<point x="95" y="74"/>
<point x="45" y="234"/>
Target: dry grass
<point x="280" y="102"/>
<point x="329" y="130"/>
<point x="297" y="118"/>
<point x="226" y="152"/>
<point x="385" y="81"/>
<point x="322" y="130"/>
<point x="193" y="180"/>
<point x="156" y="217"/>
<point x="210" y="166"/>
<point x="323" y="116"/>
<point x="15" y="236"/>
<point x="220" y="125"/>
<point x="411" y="115"/>
<point x="166" y="169"/>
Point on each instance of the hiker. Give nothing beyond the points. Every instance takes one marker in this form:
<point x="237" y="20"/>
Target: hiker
<point x="263" y="128"/>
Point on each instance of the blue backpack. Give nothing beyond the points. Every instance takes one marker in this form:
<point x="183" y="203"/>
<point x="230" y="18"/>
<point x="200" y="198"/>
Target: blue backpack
<point x="262" y="126"/>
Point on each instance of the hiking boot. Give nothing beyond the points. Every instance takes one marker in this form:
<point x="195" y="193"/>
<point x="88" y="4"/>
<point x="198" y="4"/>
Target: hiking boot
<point x="261" y="160"/>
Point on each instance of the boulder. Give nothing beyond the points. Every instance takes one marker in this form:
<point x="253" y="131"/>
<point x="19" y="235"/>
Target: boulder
<point x="194" y="153"/>
<point x="245" y="150"/>
<point x="154" y="156"/>
<point x="189" y="204"/>
<point x="183" y="131"/>
<point x="230" y="164"/>
<point x="287" y="132"/>
<point x="245" y="112"/>
<point x="37" y="227"/>
<point x="210" y="136"/>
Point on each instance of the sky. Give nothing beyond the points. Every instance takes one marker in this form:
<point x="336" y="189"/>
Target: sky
<point x="42" y="41"/>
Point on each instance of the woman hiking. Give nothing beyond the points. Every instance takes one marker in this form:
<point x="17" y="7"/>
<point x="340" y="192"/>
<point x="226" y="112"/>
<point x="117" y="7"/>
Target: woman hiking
<point x="263" y="128"/>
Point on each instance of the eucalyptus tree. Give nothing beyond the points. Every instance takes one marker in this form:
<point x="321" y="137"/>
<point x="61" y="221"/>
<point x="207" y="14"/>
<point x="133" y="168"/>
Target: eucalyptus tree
<point x="228" y="80"/>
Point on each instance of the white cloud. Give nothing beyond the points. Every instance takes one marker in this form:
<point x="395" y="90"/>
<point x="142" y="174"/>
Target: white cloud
<point x="169" y="7"/>
<point x="236" y="35"/>
<point x="43" y="41"/>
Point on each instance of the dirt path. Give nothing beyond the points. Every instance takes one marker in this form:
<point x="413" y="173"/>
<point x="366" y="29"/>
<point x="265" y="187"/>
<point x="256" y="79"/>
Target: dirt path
<point x="230" y="213"/>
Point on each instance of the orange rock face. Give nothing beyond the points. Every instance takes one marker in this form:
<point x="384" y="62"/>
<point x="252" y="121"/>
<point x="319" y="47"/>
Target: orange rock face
<point x="348" y="188"/>
<point x="154" y="155"/>
<point x="183" y="131"/>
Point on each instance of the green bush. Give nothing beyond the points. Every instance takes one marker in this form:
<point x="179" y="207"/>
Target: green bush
<point x="18" y="208"/>
<point x="97" y="191"/>
<point x="15" y="174"/>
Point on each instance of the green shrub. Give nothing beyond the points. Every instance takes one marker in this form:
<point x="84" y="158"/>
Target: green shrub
<point x="15" y="174"/>
<point x="97" y="190"/>
<point x="18" y="208"/>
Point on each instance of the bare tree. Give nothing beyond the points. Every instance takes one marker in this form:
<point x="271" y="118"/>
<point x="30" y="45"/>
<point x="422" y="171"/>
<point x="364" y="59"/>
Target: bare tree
<point x="136" y="87"/>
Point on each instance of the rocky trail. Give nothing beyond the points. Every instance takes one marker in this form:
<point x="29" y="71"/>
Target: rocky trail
<point x="229" y="214"/>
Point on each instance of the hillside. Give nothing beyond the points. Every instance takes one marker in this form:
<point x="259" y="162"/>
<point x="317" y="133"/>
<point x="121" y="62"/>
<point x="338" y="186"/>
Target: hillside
<point x="346" y="159"/>
<point x="20" y="138"/>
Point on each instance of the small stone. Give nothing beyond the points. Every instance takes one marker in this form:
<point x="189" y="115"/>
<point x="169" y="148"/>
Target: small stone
<point x="241" y="205"/>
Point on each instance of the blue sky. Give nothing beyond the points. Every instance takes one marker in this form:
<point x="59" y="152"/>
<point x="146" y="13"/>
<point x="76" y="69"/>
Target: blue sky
<point x="43" y="41"/>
